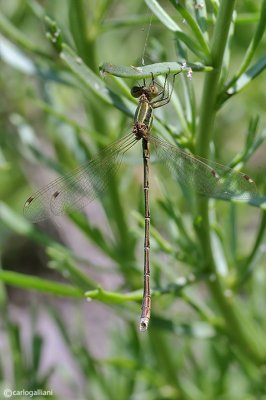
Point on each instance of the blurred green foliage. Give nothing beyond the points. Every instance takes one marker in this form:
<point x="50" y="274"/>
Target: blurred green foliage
<point x="206" y="338"/>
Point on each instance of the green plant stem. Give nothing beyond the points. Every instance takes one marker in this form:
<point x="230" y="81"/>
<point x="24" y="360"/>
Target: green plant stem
<point x="211" y="81"/>
<point x="17" y="37"/>
<point x="236" y="325"/>
<point x="79" y="25"/>
<point x="40" y="284"/>
<point x="240" y="328"/>
<point x="247" y="269"/>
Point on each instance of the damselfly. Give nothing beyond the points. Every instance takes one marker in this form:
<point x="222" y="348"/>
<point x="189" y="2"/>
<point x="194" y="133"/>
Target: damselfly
<point x="80" y="187"/>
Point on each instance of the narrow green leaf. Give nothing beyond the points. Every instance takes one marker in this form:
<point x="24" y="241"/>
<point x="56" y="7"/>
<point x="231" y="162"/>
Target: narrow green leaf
<point x="156" y="69"/>
<point x="180" y="112"/>
<point x="248" y="18"/>
<point x="173" y="213"/>
<point x="162" y="15"/>
<point x="202" y="18"/>
<point x="113" y="297"/>
<point x="17" y="36"/>
<point x="194" y="27"/>
<point x="260" y="29"/>
<point x="249" y="265"/>
<point x="78" y="21"/>
<point x="127" y="21"/>
<point x="218" y="255"/>
<point x="37" y="347"/>
<point x="92" y="232"/>
<point x="259" y="32"/>
<point x="215" y="4"/>
<point x="17" y="355"/>
<point x="173" y="26"/>
<point x="163" y="244"/>
<point x="227" y="51"/>
<point x="14" y="57"/>
<point x="91" y="81"/>
<point x="253" y="142"/>
<point x="18" y="224"/>
<point x="190" y="105"/>
<point x="165" y="356"/>
<point x="245" y="79"/>
<point x="63" y="262"/>
<point x="232" y="232"/>
<point x="200" y="330"/>
<point x="51" y="110"/>
<point x="57" y="317"/>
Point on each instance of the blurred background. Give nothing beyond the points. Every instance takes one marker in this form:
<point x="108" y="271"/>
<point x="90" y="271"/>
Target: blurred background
<point x="52" y="120"/>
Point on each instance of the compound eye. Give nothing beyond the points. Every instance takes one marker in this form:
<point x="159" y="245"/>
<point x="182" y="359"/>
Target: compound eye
<point x="136" y="91"/>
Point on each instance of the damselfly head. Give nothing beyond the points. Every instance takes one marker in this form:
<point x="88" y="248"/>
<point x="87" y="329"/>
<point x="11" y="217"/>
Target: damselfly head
<point x="151" y="91"/>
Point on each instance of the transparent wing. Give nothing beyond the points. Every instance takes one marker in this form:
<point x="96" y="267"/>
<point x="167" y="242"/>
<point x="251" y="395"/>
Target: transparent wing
<point x="206" y="178"/>
<point x="81" y="186"/>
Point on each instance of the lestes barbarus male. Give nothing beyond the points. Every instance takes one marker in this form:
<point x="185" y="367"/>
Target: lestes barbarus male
<point x="83" y="185"/>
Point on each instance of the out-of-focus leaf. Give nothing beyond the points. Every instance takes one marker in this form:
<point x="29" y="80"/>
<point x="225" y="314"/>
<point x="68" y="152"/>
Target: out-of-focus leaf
<point x="200" y="330"/>
<point x="79" y="23"/>
<point x="244" y="80"/>
<point x="260" y="29"/>
<point x="170" y="24"/>
<point x="91" y="81"/>
<point x="162" y="15"/>
<point x="37" y="347"/>
<point x="92" y="232"/>
<point x="39" y="284"/>
<point x="64" y="263"/>
<point x="256" y="251"/>
<point x="14" y="57"/>
<point x="192" y="23"/>
<point x="220" y="261"/>
<point x="17" y="36"/>
<point x="202" y="18"/>
<point x="19" y="225"/>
